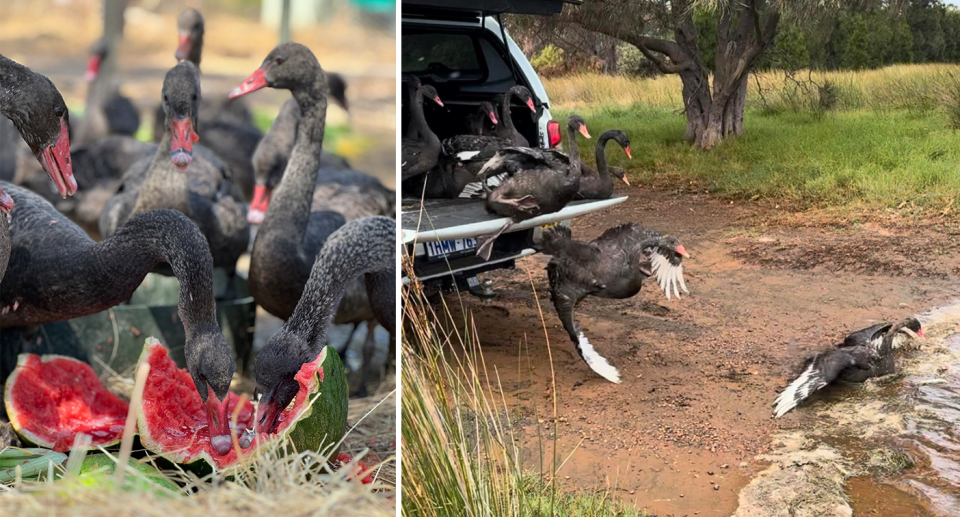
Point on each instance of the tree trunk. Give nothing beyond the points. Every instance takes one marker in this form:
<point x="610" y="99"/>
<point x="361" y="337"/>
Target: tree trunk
<point x="742" y="36"/>
<point x="733" y="113"/>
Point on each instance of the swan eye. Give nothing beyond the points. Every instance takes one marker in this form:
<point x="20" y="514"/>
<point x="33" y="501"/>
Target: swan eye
<point x="279" y="60"/>
<point x="58" y="111"/>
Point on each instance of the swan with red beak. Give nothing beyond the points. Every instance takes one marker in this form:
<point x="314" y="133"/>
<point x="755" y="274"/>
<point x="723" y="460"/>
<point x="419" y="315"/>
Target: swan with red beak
<point x="37" y="110"/>
<point x="189" y="35"/>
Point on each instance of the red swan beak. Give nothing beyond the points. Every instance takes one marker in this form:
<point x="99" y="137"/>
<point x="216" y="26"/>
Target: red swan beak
<point x="257" y="80"/>
<point x="183" y="46"/>
<point x="585" y="133"/>
<point x="627" y="150"/>
<point x="181" y="144"/>
<point x="93" y="68"/>
<point x="493" y="117"/>
<point x="532" y="107"/>
<point x="919" y="332"/>
<point x="6" y="202"/>
<point x="258" y="208"/>
<point x="625" y="180"/>
<point x="55" y="159"/>
<point x="217" y="423"/>
<point x="268" y="414"/>
<point x="682" y="251"/>
<point x="438" y="101"/>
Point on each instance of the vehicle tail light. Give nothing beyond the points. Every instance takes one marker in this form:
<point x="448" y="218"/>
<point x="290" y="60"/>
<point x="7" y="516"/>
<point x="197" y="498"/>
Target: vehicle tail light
<point x="553" y="132"/>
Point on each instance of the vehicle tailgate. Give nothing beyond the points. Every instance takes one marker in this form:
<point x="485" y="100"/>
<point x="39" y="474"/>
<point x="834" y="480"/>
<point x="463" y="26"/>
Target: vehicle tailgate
<point x="443" y="219"/>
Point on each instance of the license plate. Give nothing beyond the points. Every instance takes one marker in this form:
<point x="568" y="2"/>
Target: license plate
<point x="449" y="247"/>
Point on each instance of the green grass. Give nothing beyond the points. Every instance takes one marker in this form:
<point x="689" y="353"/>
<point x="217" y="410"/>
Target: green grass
<point x="855" y="157"/>
<point x="460" y="449"/>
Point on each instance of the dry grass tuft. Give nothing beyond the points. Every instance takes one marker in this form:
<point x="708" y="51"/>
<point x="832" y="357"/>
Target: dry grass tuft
<point x="917" y="87"/>
<point x="461" y="451"/>
<point x="278" y="482"/>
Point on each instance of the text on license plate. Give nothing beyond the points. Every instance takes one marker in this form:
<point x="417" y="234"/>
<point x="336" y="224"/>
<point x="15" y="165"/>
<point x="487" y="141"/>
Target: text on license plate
<point x="449" y="247"/>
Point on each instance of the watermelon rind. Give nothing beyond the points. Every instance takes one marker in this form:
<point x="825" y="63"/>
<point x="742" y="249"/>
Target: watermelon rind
<point x="17" y="418"/>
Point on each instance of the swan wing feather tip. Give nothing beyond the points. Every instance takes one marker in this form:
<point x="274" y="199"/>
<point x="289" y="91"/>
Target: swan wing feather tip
<point x="597" y="362"/>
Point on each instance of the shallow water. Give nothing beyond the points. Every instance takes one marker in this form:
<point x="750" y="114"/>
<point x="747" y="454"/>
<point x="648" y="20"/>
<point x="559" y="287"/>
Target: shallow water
<point x="928" y="398"/>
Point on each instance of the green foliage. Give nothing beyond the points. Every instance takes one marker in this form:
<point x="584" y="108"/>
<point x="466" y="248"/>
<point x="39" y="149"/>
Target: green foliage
<point x="925" y="18"/>
<point x="630" y="61"/>
<point x="864" y="35"/>
<point x="854" y="157"/>
<point x="550" y="58"/>
<point x="950" y="99"/>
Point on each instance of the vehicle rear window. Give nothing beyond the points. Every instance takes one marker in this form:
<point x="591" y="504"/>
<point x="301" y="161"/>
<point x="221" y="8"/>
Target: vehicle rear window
<point x="438" y="51"/>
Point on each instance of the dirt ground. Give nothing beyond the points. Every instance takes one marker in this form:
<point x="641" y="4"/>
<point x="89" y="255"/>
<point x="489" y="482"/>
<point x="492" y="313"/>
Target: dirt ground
<point x="768" y="288"/>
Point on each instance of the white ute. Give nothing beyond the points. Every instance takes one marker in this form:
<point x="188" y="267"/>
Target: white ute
<point x="458" y="47"/>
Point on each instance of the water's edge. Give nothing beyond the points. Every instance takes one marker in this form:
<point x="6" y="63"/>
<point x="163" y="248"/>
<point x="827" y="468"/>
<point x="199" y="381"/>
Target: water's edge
<point x="891" y="447"/>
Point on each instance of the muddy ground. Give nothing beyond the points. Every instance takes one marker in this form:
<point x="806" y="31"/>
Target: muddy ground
<point x="768" y="288"/>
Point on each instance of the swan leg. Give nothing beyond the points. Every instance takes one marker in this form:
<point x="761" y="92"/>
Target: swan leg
<point x="486" y="241"/>
<point x="564" y="302"/>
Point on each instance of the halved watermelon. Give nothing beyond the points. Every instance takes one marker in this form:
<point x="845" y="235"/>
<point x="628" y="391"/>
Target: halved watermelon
<point x="51" y="399"/>
<point x="172" y="421"/>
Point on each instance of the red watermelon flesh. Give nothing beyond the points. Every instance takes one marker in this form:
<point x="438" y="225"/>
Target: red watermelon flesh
<point x="173" y="420"/>
<point x="178" y="420"/>
<point x="51" y="399"/>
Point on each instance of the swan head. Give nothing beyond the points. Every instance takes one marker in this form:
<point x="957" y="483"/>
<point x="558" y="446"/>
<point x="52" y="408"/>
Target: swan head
<point x="210" y="364"/>
<point x="578" y="124"/>
<point x="42" y="119"/>
<point x="189" y="35"/>
<point x="181" y="102"/>
<point x="276" y="369"/>
<point x="429" y="92"/>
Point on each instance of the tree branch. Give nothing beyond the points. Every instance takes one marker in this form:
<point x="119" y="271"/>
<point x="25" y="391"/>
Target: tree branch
<point x="667" y="68"/>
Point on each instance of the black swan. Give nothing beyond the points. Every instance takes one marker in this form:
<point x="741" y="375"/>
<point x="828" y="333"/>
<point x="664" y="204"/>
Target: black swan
<point x="420" y="154"/>
<point x="35" y="109"/>
<point x="106" y="112"/>
<point x="864" y="354"/>
<point x="338" y="188"/>
<point x="465" y="147"/>
<point x="613" y="265"/>
<point x="57" y="272"/>
<point x="597" y="184"/>
<point x="540" y="181"/>
<point x="363" y="247"/>
<point x="473" y="163"/>
<point x="38" y="112"/>
<point x="270" y="160"/>
<point x="225" y="125"/>
<point x="506" y="128"/>
<point x="484" y="121"/>
<point x="310" y="202"/>
<point x="340" y="194"/>
<point x="176" y="179"/>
